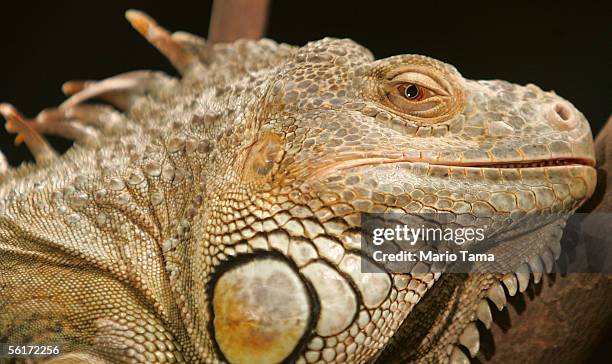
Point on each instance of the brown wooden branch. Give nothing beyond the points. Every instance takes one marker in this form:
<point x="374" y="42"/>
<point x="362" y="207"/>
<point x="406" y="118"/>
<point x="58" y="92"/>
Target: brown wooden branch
<point x="236" y="19"/>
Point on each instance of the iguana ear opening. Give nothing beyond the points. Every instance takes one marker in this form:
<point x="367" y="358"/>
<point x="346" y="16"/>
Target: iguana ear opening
<point x="263" y="157"/>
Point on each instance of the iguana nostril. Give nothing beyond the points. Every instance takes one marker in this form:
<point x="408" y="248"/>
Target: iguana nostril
<point x="562" y="116"/>
<point x="563" y="112"/>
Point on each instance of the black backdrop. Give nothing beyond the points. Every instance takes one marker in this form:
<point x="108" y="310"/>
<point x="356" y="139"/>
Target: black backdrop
<point x="565" y="48"/>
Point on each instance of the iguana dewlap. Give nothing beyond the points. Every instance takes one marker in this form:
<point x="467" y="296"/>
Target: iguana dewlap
<point x="215" y="217"/>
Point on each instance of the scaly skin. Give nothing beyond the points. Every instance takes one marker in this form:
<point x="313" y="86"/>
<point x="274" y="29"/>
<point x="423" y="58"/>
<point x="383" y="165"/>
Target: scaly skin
<point x="216" y="218"/>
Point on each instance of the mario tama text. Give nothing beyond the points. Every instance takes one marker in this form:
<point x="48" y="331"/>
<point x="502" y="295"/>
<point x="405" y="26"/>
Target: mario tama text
<point x="430" y="256"/>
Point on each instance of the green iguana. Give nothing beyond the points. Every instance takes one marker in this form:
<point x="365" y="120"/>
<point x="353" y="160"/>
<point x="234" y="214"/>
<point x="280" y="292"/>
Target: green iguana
<point x="216" y="217"/>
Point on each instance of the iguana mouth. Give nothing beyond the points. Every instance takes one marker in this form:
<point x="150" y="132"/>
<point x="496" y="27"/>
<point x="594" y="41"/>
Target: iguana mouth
<point x="532" y="164"/>
<point x="363" y="161"/>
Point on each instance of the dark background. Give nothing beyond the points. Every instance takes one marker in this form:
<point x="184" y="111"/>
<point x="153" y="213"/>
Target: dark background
<point x="563" y="47"/>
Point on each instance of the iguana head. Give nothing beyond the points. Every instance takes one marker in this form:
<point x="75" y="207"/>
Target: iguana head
<point x="249" y="177"/>
<point x="335" y="134"/>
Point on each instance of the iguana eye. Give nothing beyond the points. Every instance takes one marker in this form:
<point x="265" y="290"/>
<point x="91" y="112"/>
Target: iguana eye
<point x="414" y="93"/>
<point x="419" y="94"/>
<point x="414" y="98"/>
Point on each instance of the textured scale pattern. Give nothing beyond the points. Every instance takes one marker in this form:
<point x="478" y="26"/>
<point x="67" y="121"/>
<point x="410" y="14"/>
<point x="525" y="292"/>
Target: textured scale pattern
<point x="215" y="217"/>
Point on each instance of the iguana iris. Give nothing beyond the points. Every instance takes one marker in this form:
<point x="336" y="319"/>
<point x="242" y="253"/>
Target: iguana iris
<point x="216" y="217"/>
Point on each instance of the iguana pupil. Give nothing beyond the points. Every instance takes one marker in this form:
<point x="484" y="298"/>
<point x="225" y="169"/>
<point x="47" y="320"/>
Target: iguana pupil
<point x="411" y="91"/>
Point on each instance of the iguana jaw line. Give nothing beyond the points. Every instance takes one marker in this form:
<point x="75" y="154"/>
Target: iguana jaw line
<point x="389" y="159"/>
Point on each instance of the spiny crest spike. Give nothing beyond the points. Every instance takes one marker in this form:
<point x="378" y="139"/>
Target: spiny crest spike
<point x="118" y="90"/>
<point x="4" y="165"/>
<point x="17" y="124"/>
<point x="72" y="87"/>
<point x="179" y="56"/>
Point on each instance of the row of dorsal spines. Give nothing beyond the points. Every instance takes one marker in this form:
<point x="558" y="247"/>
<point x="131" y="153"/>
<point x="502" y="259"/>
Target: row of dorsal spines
<point x="86" y="123"/>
